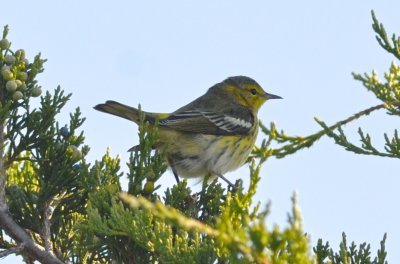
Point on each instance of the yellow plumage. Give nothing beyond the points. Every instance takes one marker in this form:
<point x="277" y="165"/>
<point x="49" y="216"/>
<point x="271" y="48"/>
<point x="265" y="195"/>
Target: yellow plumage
<point x="213" y="134"/>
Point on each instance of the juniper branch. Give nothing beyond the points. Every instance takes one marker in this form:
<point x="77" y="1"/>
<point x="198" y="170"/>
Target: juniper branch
<point x="295" y="143"/>
<point x="392" y="47"/>
<point x="174" y="216"/>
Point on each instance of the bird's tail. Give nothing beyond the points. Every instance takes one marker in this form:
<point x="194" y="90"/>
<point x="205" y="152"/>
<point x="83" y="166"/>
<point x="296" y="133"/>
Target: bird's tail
<point x="121" y="110"/>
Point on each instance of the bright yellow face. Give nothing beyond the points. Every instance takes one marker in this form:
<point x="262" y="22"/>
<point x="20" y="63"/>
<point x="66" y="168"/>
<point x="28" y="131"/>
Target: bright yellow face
<point x="247" y="92"/>
<point x="249" y="95"/>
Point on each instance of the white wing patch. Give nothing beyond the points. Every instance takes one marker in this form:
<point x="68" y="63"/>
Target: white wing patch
<point x="238" y="121"/>
<point x="223" y="122"/>
<point x="227" y="123"/>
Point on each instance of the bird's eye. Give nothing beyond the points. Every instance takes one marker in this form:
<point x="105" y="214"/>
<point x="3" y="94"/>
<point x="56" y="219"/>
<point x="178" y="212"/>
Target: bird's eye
<point x="253" y="91"/>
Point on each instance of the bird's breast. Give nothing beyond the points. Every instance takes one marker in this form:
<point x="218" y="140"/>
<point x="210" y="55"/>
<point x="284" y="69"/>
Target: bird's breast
<point x="196" y="155"/>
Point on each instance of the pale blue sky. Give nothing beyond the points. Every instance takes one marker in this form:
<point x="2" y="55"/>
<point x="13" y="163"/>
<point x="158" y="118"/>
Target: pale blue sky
<point x="164" y="54"/>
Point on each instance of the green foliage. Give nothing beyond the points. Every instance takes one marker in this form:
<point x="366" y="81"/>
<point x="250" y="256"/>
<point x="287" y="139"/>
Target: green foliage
<point x="392" y="47"/>
<point x="79" y="212"/>
<point x="214" y="225"/>
<point x="45" y="181"/>
<point x="387" y="91"/>
<point x="143" y="166"/>
<point x="349" y="254"/>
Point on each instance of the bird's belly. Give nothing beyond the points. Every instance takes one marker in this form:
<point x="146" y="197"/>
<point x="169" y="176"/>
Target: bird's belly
<point x="199" y="155"/>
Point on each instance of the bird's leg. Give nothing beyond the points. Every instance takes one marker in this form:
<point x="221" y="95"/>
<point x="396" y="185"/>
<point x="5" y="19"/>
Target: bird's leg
<point x="175" y="174"/>
<point x="171" y="165"/>
<point x="226" y="180"/>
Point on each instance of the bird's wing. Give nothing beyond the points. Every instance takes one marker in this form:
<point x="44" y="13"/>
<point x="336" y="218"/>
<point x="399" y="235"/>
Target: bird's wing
<point x="206" y="122"/>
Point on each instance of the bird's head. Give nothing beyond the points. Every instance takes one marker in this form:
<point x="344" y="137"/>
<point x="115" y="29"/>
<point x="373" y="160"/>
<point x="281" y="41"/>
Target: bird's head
<point x="247" y="92"/>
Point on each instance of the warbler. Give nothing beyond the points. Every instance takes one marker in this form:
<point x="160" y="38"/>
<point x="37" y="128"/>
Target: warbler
<point x="210" y="136"/>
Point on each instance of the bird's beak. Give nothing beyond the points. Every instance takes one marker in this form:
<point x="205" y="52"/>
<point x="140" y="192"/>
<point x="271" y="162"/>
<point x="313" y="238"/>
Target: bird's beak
<point x="272" y="96"/>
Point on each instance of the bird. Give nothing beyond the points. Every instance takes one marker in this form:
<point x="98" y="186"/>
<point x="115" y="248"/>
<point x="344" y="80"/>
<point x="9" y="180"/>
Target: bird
<point x="210" y="136"/>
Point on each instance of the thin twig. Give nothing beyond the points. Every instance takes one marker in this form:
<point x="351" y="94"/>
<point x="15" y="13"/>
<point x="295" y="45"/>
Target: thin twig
<point x="301" y="142"/>
<point x="356" y="116"/>
<point x="13" y="250"/>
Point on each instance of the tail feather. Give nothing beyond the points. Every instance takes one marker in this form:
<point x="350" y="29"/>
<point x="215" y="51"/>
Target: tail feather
<point x="118" y="109"/>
